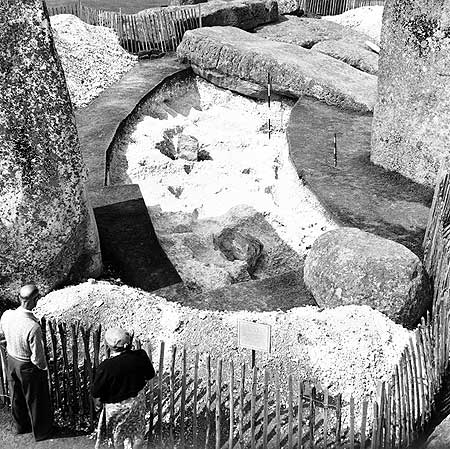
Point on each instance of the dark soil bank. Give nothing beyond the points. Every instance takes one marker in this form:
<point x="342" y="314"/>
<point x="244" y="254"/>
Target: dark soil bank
<point x="357" y="192"/>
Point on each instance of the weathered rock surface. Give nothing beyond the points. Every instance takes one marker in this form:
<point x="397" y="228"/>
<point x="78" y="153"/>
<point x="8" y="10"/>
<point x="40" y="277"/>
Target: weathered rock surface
<point x="240" y="61"/>
<point x="47" y="231"/>
<point x="350" y="53"/>
<point x="411" y="126"/>
<point x="245" y="14"/>
<point x="288" y="6"/>
<point x="440" y="438"/>
<point x="177" y="145"/>
<point x="307" y="32"/>
<point x="350" y="266"/>
<point x="236" y="245"/>
<point x="185" y="2"/>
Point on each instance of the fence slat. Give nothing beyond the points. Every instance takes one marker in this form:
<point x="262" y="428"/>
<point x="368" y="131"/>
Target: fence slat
<point x="172" y="395"/>
<point x="265" y="408"/>
<point x="325" y="417"/>
<point x="290" y="413"/>
<point x="218" y="401"/>
<point x="53" y="342"/>
<point x="363" y="423"/>
<point x="300" y="415"/>
<point x="338" y="419"/>
<point x="208" y="401"/>
<point x="183" y="399"/>
<point x="278" y="411"/>
<point x="160" y="390"/>
<point x="312" y="418"/>
<point x="253" y="409"/>
<point x="231" y="406"/>
<point x="194" y="406"/>
<point x="241" y="406"/>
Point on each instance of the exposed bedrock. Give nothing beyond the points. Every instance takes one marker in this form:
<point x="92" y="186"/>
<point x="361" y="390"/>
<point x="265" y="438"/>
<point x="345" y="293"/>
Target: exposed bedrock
<point x="240" y="61"/>
<point x="47" y="231"/>
<point x="349" y="266"/>
<point x="411" y="126"/>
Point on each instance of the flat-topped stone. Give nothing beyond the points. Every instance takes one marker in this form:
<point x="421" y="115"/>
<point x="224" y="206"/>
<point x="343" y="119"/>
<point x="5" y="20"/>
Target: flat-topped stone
<point x="240" y="61"/>
<point x="306" y="32"/>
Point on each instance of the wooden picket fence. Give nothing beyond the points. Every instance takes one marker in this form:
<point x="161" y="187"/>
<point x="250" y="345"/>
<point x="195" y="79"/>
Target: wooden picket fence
<point x="156" y="29"/>
<point x="192" y="397"/>
<point x="335" y="7"/>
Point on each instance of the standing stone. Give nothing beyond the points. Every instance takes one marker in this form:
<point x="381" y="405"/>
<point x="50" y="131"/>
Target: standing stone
<point x="411" y="126"/>
<point x="47" y="230"/>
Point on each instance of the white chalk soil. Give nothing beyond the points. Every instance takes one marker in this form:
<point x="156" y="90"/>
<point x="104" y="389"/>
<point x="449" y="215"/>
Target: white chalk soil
<point x="249" y="177"/>
<point x="91" y="56"/>
<point x="366" y="19"/>
<point x="348" y="349"/>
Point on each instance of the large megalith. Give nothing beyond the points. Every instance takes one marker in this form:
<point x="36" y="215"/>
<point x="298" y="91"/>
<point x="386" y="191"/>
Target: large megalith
<point x="411" y="125"/>
<point x="348" y="266"/>
<point x="47" y="230"/>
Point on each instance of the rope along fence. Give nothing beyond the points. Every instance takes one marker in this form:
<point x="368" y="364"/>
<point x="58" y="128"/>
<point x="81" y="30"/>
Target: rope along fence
<point x="196" y="401"/>
<point x="335" y="7"/>
<point x="157" y="29"/>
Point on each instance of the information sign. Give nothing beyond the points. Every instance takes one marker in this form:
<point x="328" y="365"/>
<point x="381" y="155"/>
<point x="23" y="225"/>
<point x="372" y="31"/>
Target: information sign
<point x="255" y="336"/>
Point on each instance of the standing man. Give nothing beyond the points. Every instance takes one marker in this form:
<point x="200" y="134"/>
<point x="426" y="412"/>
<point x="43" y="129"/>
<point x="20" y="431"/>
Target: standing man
<point x="27" y="367"/>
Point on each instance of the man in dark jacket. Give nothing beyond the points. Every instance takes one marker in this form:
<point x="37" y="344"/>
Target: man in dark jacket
<point x="119" y="385"/>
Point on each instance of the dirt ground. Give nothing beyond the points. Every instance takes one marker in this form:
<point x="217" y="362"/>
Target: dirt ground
<point x="63" y="441"/>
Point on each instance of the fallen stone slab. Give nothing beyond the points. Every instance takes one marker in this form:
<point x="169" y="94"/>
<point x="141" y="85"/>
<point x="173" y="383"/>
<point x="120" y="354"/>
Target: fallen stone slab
<point x="350" y="53"/>
<point x="307" y="32"/>
<point x="245" y="14"/>
<point x="349" y="266"/>
<point x="240" y="61"/>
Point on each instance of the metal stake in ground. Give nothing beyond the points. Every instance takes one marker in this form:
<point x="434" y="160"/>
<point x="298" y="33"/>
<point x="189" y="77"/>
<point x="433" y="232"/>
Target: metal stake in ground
<point x="269" y="92"/>
<point x="335" y="150"/>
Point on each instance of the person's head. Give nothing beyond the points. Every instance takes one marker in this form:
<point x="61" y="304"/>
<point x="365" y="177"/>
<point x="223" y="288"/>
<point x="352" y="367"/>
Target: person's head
<point x="117" y="339"/>
<point x="29" y="295"/>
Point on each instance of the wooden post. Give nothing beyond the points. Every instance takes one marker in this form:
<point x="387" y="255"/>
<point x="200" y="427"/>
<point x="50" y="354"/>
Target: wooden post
<point x="218" y="401"/>
<point x="265" y="408"/>
<point x="278" y="411"/>
<point x="363" y="424"/>
<point x="387" y="414"/>
<point x="312" y="418"/>
<point x="183" y="400"/>
<point x="76" y="378"/>
<point x="172" y="396"/>
<point x="53" y="341"/>
<point x="85" y="334"/>
<point x="325" y="417"/>
<point x="352" y="423"/>
<point x="231" y="406"/>
<point x="208" y="401"/>
<point x="300" y="415"/>
<point x="241" y="407"/>
<point x="375" y="426"/>
<point x="290" y="413"/>
<point x="68" y="396"/>
<point x="253" y="409"/>
<point x="160" y="389"/>
<point x="200" y="15"/>
<point x="152" y="392"/>
<point x="194" y="407"/>
<point x="338" y="419"/>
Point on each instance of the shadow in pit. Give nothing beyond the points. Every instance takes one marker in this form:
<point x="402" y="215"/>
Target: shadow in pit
<point x="128" y="241"/>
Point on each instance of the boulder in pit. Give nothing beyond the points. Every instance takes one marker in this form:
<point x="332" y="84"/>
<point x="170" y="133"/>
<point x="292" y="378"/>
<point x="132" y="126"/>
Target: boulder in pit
<point x="236" y="245"/>
<point x="240" y="61"/>
<point x="350" y="266"/>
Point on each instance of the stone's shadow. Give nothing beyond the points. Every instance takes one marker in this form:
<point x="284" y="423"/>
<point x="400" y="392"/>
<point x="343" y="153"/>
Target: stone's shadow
<point x="357" y="192"/>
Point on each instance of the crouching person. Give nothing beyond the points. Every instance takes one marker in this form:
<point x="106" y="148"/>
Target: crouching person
<point x="119" y="385"/>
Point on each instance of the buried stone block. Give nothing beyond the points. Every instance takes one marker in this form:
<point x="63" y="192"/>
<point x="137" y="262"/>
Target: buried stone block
<point x="47" y="230"/>
<point x="236" y="245"/>
<point x="349" y="266"/>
